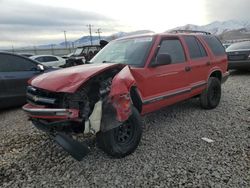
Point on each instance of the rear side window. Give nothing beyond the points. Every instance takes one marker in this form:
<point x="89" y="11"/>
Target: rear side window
<point x="12" y="63"/>
<point x="196" y="50"/>
<point x="50" y="58"/>
<point x="215" y="45"/>
<point x="174" y="48"/>
<point x="40" y="59"/>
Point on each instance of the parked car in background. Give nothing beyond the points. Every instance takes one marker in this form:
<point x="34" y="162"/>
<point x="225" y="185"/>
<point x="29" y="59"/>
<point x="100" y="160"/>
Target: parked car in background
<point x="88" y="52"/>
<point x="239" y="55"/>
<point x="82" y="54"/>
<point x="226" y="45"/>
<point x="15" y="71"/>
<point x="49" y="60"/>
<point x="129" y="77"/>
<point x="67" y="56"/>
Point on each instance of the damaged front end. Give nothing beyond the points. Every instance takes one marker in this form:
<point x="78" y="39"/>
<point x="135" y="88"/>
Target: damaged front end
<point x="99" y="105"/>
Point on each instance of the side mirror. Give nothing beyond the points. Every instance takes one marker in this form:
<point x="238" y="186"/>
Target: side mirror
<point x="162" y="59"/>
<point x="40" y="68"/>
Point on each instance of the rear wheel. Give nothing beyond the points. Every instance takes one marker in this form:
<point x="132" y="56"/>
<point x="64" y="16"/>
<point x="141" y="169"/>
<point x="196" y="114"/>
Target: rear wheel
<point x="123" y="140"/>
<point x="210" y="97"/>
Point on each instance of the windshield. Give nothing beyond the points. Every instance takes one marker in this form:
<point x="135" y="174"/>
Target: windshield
<point x="78" y="51"/>
<point x="239" y="46"/>
<point x="128" y="51"/>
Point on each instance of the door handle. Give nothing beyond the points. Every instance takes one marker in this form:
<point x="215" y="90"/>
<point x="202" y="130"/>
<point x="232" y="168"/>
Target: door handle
<point x="187" y="69"/>
<point x="208" y="63"/>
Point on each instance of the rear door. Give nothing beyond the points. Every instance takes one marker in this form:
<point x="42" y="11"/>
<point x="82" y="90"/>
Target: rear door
<point x="51" y="61"/>
<point x="199" y="62"/>
<point x="15" y="72"/>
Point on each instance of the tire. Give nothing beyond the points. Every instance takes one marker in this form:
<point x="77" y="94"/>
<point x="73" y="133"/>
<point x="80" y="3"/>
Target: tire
<point x="123" y="140"/>
<point x="210" y="97"/>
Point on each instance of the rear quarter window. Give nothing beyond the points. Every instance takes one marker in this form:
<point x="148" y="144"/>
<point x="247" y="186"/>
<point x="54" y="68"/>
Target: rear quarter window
<point x="215" y="45"/>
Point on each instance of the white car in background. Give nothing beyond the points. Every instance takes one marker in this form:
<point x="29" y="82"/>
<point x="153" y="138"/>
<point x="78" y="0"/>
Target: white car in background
<point x="49" y="60"/>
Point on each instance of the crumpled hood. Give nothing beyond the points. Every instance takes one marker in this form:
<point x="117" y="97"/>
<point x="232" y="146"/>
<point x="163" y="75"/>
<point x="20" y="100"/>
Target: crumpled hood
<point x="70" y="79"/>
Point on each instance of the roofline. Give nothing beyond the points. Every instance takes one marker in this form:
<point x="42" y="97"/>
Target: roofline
<point x="44" y="55"/>
<point x="162" y="34"/>
<point x="89" y="46"/>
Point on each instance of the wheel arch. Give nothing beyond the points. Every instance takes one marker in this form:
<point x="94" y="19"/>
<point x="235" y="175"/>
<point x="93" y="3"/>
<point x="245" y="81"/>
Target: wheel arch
<point x="136" y="99"/>
<point x="216" y="73"/>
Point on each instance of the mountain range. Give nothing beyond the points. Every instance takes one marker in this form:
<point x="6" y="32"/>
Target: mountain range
<point x="218" y="28"/>
<point x="85" y="40"/>
<point x="225" y="30"/>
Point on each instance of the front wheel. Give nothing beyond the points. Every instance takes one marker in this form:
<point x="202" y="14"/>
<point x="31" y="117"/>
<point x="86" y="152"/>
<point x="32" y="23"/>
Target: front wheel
<point x="210" y="97"/>
<point x="123" y="140"/>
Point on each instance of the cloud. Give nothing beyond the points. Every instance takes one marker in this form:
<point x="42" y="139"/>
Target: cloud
<point x="22" y="23"/>
<point x="222" y="10"/>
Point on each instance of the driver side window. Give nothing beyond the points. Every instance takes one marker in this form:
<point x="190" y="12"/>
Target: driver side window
<point x="12" y="63"/>
<point x="173" y="48"/>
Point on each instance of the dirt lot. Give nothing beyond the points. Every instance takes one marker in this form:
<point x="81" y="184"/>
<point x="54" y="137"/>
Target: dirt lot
<point x="171" y="153"/>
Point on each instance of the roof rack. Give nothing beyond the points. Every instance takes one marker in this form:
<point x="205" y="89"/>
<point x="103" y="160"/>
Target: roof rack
<point x="190" y="31"/>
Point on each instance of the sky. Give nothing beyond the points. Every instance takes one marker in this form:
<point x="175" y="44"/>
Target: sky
<point x="36" y="22"/>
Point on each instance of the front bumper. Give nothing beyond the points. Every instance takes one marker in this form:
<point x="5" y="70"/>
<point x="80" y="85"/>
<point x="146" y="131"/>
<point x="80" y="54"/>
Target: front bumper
<point x="41" y="112"/>
<point x="239" y="64"/>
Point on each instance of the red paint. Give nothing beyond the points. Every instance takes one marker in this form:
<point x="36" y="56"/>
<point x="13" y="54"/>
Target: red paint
<point x="70" y="79"/>
<point x="119" y="93"/>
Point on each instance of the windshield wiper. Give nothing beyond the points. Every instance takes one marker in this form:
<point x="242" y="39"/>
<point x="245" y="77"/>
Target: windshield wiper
<point x="108" y="62"/>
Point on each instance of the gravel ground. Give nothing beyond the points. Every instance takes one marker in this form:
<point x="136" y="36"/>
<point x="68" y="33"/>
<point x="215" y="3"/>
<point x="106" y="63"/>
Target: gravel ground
<point x="171" y="152"/>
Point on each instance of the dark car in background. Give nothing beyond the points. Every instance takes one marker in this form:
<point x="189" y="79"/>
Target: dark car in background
<point x="15" y="71"/>
<point x="82" y="54"/>
<point x="239" y="55"/>
<point x="87" y="51"/>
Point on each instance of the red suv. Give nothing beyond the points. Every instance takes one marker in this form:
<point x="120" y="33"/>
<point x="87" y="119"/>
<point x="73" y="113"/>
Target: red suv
<point x="128" y="78"/>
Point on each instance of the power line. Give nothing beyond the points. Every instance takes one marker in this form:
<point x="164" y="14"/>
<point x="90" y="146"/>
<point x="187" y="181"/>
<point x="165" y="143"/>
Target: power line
<point x="65" y="39"/>
<point x="90" y="32"/>
<point x="99" y="33"/>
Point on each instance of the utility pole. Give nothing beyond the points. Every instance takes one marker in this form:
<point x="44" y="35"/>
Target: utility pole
<point x="65" y="39"/>
<point x="35" y="52"/>
<point x="52" y="49"/>
<point x="90" y="32"/>
<point x="99" y="33"/>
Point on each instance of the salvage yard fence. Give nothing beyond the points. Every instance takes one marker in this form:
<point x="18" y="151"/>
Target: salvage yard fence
<point x="43" y="51"/>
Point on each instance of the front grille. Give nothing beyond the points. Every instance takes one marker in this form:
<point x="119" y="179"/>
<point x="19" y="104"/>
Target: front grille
<point x="237" y="57"/>
<point x="38" y="96"/>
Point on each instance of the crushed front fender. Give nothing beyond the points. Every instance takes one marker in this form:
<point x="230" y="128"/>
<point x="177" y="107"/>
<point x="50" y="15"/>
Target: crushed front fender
<point x="120" y="93"/>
